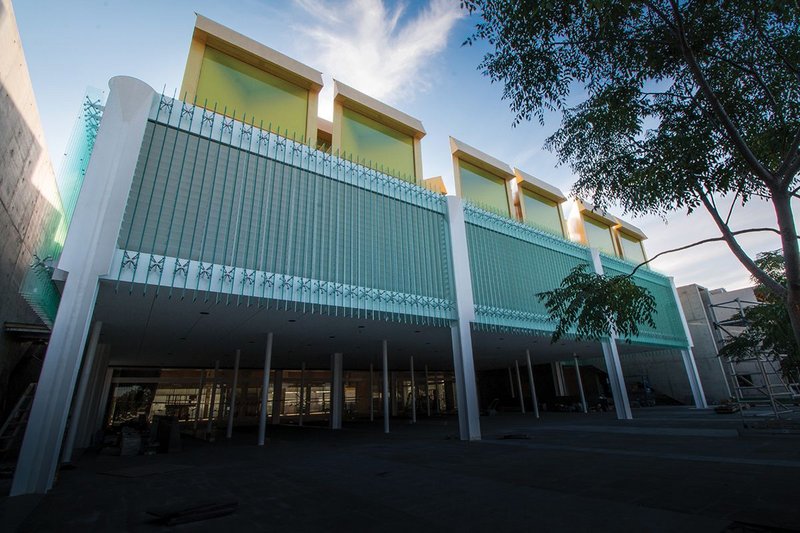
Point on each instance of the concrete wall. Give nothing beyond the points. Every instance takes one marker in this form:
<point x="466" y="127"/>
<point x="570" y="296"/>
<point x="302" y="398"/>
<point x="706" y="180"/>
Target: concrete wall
<point x="28" y="194"/>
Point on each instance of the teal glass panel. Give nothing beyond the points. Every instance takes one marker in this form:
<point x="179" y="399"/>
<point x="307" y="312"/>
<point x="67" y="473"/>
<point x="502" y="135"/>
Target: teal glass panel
<point x="599" y="236"/>
<point x="373" y="144"/>
<point x="541" y="212"/>
<point x="483" y="188"/>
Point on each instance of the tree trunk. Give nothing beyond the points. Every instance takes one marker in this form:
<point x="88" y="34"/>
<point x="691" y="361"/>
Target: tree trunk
<point x="791" y="255"/>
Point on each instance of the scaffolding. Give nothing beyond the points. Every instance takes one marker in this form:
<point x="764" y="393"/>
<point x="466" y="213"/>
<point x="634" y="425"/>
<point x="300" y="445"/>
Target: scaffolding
<point x="757" y="380"/>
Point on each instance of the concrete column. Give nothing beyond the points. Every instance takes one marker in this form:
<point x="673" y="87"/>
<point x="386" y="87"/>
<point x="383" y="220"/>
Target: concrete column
<point x="337" y="391"/>
<point x="698" y="394"/>
<point x="277" y="397"/>
<point x="519" y="388"/>
<point x="469" y="426"/>
<point x="234" y="389"/>
<point x="511" y="383"/>
<point x="580" y="384"/>
<point x="371" y="402"/>
<point x="262" y="414"/>
<point x="696" y="385"/>
<point x="532" y="384"/>
<point x="558" y="378"/>
<point x="200" y="390"/>
<point x="385" y="387"/>
<point x="80" y="396"/>
<point x="88" y="252"/>
<point x="427" y="392"/>
<point x="214" y="379"/>
<point x="90" y="421"/>
<point x="100" y="407"/>
<point x="413" y="394"/>
<point x="622" y="404"/>
<point x="303" y="398"/>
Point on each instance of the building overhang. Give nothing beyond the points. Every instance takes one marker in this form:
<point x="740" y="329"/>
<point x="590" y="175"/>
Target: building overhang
<point x="376" y="110"/>
<point x="467" y="153"/>
<point x="533" y="184"/>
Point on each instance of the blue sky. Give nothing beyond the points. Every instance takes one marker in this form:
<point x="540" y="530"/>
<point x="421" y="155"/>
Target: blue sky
<point x="408" y="55"/>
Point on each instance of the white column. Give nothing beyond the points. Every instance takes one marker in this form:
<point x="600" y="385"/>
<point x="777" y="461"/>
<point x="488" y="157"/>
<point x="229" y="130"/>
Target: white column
<point x="303" y="398"/>
<point x="622" y="404"/>
<point x="214" y="377"/>
<point x="698" y="394"/>
<point x="519" y="388"/>
<point x="80" y="395"/>
<point x="558" y="378"/>
<point x="88" y="252"/>
<point x="427" y="392"/>
<point x="534" y="399"/>
<point x="580" y="384"/>
<point x="337" y="391"/>
<point x="102" y="403"/>
<point x="469" y="426"/>
<point x="511" y="383"/>
<point x="696" y="385"/>
<point x="413" y="394"/>
<point x="200" y="390"/>
<point x="385" y="387"/>
<point x="371" y="402"/>
<point x="277" y="397"/>
<point x="234" y="389"/>
<point x="90" y="421"/>
<point x="262" y="414"/>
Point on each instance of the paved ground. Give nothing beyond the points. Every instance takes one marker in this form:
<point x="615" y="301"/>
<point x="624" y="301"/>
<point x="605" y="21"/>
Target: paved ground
<point x="673" y="469"/>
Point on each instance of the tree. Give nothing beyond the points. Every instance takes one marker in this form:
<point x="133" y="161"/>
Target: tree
<point x="767" y="329"/>
<point x="681" y="103"/>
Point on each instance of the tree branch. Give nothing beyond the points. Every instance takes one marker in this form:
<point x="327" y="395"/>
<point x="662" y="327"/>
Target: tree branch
<point x="698" y="243"/>
<point x="729" y="237"/>
<point x="758" y="169"/>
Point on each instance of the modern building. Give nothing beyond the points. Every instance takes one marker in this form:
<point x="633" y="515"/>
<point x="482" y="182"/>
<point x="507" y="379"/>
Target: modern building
<point x="233" y="258"/>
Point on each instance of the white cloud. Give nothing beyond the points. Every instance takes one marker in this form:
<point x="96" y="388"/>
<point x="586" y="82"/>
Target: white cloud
<point x="375" y="49"/>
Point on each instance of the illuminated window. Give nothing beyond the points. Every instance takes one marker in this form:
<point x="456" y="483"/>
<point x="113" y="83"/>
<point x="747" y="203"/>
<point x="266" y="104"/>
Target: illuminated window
<point x="599" y="235"/>
<point x="374" y="144"/>
<point x="632" y="248"/>
<point x="541" y="212"/>
<point x="483" y="188"/>
<point x="240" y="87"/>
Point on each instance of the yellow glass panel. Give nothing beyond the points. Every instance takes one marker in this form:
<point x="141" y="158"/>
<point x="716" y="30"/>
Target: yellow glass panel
<point x="599" y="236"/>
<point x="632" y="248"/>
<point x="240" y="87"/>
<point x="541" y="212"/>
<point x="483" y="188"/>
<point x="365" y="140"/>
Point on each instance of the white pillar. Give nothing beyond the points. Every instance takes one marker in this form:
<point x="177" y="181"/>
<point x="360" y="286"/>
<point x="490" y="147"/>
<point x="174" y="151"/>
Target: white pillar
<point x="511" y="383"/>
<point x="385" y="387"/>
<point x="277" y="397"/>
<point x="534" y="399"/>
<point x="88" y="252"/>
<point x="696" y="385"/>
<point x="469" y="426"/>
<point x="698" y="394"/>
<point x="519" y="388"/>
<point x="102" y="403"/>
<point x="580" y="384"/>
<point x="214" y="377"/>
<point x="413" y="394"/>
<point x="337" y="391"/>
<point x="80" y="395"/>
<point x="558" y="378"/>
<point x="371" y="404"/>
<point x="200" y="390"/>
<point x="232" y="411"/>
<point x="89" y="419"/>
<point x="302" y="393"/>
<point x="427" y="392"/>
<point x="262" y="414"/>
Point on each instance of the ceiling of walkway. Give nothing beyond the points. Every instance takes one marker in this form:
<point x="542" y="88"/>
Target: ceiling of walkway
<point x="162" y="330"/>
